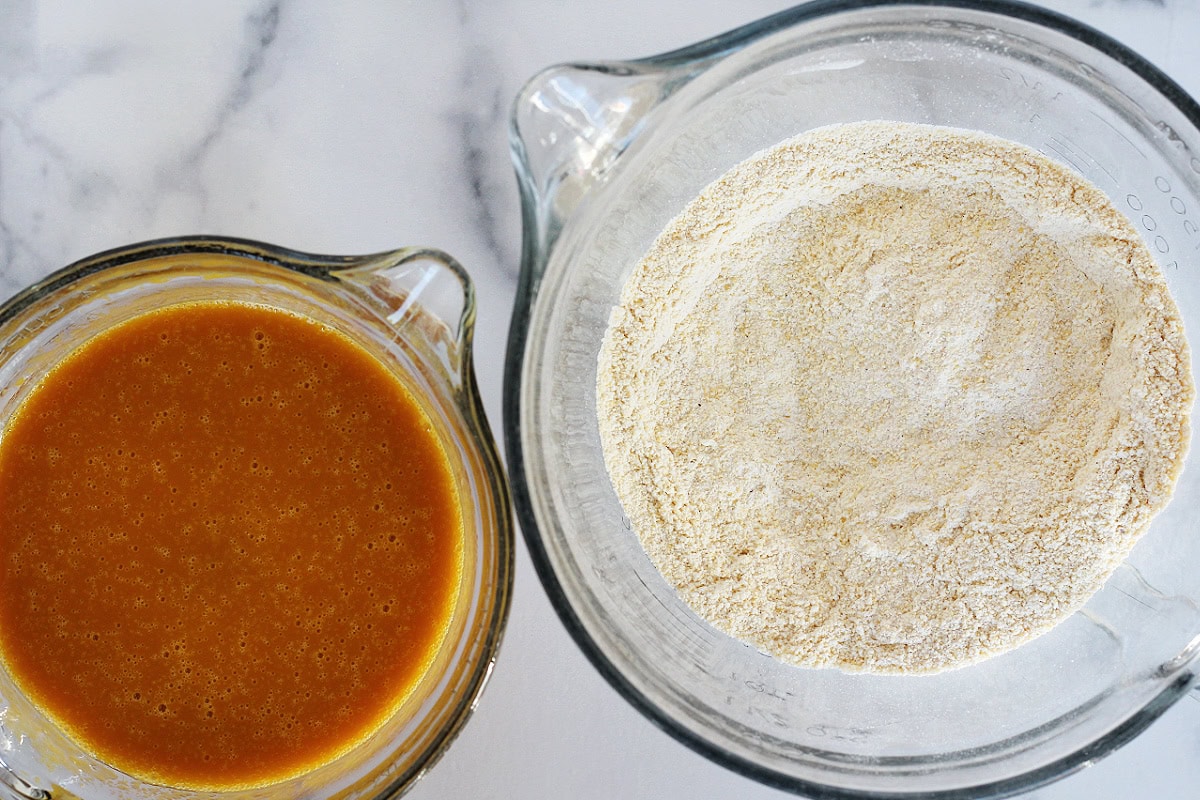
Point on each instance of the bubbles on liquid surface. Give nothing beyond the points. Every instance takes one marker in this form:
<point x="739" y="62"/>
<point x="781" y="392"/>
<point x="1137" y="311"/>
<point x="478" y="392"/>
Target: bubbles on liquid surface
<point x="258" y="530"/>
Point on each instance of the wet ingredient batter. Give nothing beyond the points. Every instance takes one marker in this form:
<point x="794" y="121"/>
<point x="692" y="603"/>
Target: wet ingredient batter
<point x="231" y="542"/>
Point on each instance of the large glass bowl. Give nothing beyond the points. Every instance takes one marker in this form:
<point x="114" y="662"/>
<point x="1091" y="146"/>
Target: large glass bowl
<point x="607" y="154"/>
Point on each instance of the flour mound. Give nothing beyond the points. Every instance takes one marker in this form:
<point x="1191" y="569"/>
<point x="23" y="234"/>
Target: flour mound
<point x="893" y="398"/>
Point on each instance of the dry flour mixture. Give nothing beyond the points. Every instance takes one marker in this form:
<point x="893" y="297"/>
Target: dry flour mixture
<point x="893" y="398"/>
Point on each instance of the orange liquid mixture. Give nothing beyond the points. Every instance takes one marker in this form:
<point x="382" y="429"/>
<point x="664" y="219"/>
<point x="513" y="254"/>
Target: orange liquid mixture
<point x="231" y="542"/>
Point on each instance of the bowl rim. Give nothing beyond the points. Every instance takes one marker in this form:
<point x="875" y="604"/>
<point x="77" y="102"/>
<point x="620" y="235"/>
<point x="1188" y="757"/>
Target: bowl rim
<point x="534" y="256"/>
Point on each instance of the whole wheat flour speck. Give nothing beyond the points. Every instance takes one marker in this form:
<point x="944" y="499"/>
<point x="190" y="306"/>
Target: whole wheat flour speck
<point x="893" y="398"/>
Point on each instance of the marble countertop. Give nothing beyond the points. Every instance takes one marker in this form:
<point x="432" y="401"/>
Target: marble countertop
<point x="353" y="127"/>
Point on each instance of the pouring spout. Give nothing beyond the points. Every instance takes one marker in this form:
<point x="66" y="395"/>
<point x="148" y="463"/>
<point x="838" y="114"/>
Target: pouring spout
<point x="570" y="125"/>
<point x="425" y="290"/>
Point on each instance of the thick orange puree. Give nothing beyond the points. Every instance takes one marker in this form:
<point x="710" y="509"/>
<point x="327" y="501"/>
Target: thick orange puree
<point x="230" y="541"/>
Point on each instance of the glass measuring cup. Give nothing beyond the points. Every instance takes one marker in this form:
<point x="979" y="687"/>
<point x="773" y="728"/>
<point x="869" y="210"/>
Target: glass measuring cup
<point x="607" y="154"/>
<point x="414" y="310"/>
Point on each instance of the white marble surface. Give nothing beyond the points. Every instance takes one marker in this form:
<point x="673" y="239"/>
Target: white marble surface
<point x="350" y="127"/>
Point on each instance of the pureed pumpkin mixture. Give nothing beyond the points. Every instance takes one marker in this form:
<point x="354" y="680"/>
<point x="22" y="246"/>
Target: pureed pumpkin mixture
<point x="893" y="398"/>
<point x="232" y="543"/>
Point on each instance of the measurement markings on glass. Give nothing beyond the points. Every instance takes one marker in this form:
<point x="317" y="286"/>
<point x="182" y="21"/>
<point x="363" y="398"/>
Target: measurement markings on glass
<point x="1073" y="153"/>
<point x="1156" y="228"/>
<point x="1117" y="131"/>
<point x="838" y="733"/>
<point x="695" y="640"/>
<point x="763" y="692"/>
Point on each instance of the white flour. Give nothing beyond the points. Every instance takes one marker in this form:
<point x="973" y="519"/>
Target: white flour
<point x="893" y="398"/>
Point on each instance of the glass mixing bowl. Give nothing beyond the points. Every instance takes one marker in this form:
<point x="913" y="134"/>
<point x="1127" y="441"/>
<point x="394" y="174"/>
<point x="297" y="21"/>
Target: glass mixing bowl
<point x="607" y="154"/>
<point x="414" y="310"/>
